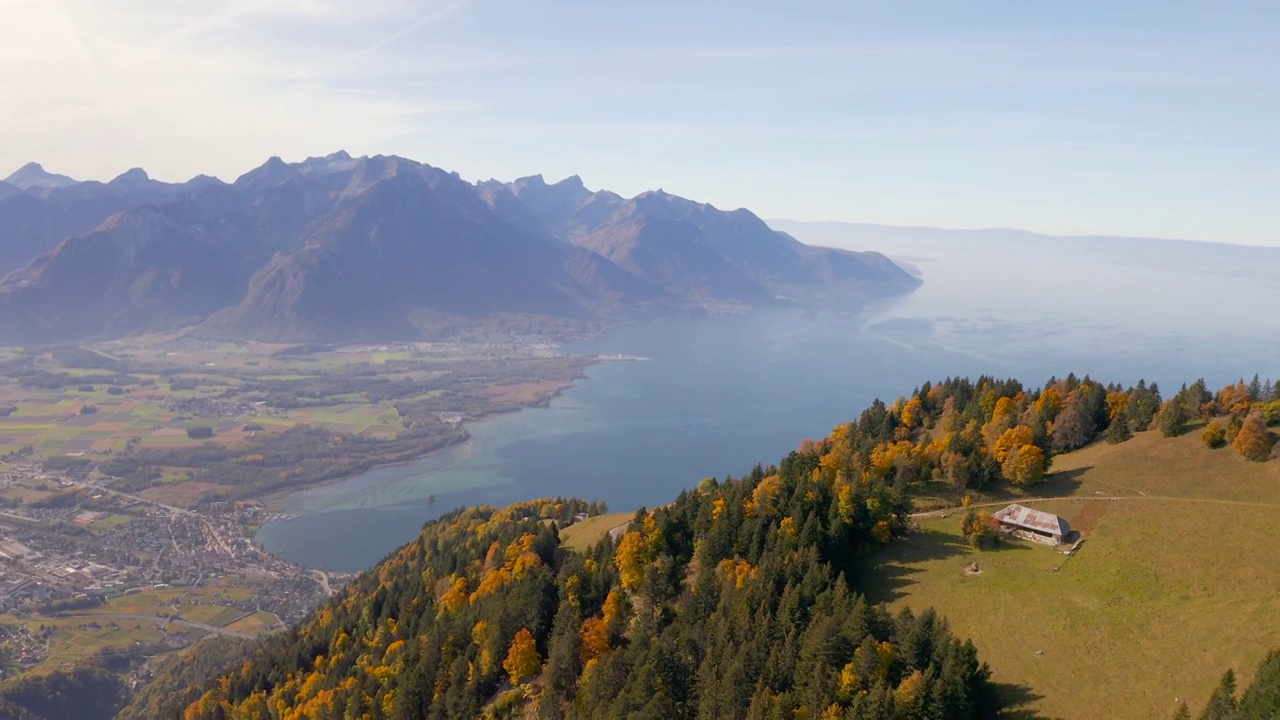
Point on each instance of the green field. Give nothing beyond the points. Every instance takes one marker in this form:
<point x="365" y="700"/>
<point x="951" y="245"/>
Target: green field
<point x="1172" y="585"/>
<point x="254" y="624"/>
<point x="109" y="523"/>
<point x="583" y="534"/>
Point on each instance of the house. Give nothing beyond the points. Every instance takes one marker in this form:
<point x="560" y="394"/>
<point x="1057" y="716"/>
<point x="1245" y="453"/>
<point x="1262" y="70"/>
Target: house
<point x="1031" y="524"/>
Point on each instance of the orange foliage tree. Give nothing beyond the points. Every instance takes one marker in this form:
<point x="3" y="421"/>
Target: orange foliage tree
<point x="1253" y="441"/>
<point x="523" y="660"/>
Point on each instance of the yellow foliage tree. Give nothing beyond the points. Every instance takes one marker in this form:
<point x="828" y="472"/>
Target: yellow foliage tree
<point x="631" y="557"/>
<point x="913" y="413"/>
<point x="1117" y="400"/>
<point x="455" y="598"/>
<point x="908" y="690"/>
<point x="1012" y="439"/>
<point x="1024" y="466"/>
<point x="523" y="660"/>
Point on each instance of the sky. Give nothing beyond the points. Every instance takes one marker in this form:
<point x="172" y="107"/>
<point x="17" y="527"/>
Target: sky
<point x="1140" y="118"/>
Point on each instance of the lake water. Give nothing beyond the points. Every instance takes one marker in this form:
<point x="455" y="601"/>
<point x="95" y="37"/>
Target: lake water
<point x="717" y="395"/>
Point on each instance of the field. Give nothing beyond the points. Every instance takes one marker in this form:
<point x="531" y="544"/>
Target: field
<point x="583" y="534"/>
<point x="145" y="617"/>
<point x="1175" y="581"/>
<point x="189" y="422"/>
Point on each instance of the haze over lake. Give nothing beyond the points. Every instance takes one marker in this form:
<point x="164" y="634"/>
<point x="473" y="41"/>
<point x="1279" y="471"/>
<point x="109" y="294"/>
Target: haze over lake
<point x="715" y="395"/>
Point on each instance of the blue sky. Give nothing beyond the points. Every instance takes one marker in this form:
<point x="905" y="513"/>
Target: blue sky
<point x="1135" y="118"/>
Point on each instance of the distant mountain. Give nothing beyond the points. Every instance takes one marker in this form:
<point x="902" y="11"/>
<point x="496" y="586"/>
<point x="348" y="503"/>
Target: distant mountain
<point x="376" y="248"/>
<point x="33" y="175"/>
<point x="726" y="256"/>
<point x="44" y="209"/>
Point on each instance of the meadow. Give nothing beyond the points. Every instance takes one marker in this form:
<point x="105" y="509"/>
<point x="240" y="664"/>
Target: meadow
<point x="581" y="535"/>
<point x="1174" y="583"/>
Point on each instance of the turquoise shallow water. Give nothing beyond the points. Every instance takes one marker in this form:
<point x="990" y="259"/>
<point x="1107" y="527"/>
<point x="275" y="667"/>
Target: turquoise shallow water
<point x="717" y="395"/>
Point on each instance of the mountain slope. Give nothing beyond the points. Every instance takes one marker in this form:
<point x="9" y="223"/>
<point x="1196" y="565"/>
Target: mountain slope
<point x="726" y="603"/>
<point x="342" y="248"/>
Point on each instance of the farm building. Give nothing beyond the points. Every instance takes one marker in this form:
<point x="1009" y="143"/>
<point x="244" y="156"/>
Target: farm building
<point x="1031" y="524"/>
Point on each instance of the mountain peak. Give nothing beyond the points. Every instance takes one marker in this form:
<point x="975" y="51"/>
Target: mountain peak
<point x="132" y="176"/>
<point x="272" y="172"/>
<point x="33" y="175"/>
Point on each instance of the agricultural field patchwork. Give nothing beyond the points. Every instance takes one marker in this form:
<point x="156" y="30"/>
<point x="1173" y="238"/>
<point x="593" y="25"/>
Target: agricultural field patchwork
<point x="147" y="413"/>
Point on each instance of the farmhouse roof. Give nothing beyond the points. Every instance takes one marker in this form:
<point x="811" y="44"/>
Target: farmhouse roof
<point x="1025" y="517"/>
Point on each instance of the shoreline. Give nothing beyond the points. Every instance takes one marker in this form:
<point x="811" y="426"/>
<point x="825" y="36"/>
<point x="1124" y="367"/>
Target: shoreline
<point x="276" y="502"/>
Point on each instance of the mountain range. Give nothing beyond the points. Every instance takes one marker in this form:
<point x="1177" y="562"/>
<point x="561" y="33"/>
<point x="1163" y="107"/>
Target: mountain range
<point x="342" y="248"/>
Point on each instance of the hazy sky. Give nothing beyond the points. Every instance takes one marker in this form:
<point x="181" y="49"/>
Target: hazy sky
<point x="1147" y="118"/>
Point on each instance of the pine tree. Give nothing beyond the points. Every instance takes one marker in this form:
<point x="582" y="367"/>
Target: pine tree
<point x="1118" y="431"/>
<point x="1222" y="704"/>
<point x="1174" y="417"/>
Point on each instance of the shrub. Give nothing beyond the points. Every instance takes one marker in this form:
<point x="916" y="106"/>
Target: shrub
<point x="1215" y="436"/>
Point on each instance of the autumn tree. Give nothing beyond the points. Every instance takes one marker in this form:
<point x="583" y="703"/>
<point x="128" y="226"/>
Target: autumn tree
<point x="1073" y="428"/>
<point x="1011" y="440"/>
<point x="1215" y="435"/>
<point x="978" y="528"/>
<point x="523" y="660"/>
<point x="1025" y="466"/>
<point x="1253" y="441"/>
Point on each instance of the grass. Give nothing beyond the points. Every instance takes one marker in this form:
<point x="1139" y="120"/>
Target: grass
<point x="254" y="624"/>
<point x="109" y="523"/>
<point x="1174" y="583"/>
<point x="581" y="535"/>
<point x="215" y="615"/>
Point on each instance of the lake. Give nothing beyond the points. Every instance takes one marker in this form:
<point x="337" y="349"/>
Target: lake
<point x="714" y="396"/>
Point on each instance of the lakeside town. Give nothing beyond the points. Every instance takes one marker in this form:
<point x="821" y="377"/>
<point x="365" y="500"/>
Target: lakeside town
<point x="72" y="547"/>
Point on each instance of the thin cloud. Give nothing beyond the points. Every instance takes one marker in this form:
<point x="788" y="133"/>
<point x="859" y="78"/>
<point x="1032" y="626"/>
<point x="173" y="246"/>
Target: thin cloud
<point x="422" y="21"/>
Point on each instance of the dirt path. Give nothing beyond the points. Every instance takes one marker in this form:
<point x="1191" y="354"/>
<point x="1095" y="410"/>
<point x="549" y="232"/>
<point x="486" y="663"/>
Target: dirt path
<point x="1028" y="501"/>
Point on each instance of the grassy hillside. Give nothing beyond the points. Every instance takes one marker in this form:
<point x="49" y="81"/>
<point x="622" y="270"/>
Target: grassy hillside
<point x="1176" y="580"/>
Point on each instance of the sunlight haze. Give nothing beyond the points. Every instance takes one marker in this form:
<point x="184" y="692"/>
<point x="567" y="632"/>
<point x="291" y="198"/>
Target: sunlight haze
<point x="1151" y="120"/>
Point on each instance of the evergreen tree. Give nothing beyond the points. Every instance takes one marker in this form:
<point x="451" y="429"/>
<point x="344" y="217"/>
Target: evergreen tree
<point x="1222" y="704"/>
<point x="1174" y="418"/>
<point x="1118" y="431"/>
